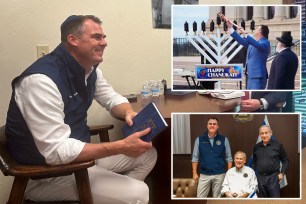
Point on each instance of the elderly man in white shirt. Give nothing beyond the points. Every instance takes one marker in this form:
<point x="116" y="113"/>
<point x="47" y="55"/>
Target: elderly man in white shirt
<point x="240" y="181"/>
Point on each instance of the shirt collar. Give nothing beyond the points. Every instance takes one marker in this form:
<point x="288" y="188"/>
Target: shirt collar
<point x="211" y="137"/>
<point x="283" y="49"/>
<point x="269" y="143"/>
<point x="90" y="71"/>
<point x="240" y="170"/>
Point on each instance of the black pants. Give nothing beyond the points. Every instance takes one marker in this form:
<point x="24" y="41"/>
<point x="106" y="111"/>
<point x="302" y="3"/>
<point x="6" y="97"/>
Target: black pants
<point x="268" y="186"/>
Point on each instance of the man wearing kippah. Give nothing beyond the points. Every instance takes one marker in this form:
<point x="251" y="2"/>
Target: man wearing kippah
<point x="47" y="121"/>
<point x="285" y="64"/>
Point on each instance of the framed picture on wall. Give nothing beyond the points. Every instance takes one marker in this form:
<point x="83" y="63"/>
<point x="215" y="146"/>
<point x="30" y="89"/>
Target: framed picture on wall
<point x="161" y="11"/>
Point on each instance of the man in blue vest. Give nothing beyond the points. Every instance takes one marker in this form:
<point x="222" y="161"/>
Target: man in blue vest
<point x="47" y="121"/>
<point x="258" y="49"/>
<point x="213" y="152"/>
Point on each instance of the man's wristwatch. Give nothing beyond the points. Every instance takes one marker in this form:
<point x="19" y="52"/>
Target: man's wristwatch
<point x="261" y="105"/>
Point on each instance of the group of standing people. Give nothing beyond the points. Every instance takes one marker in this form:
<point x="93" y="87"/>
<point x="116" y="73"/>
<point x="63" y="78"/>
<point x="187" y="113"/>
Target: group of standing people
<point x="212" y="153"/>
<point x="283" y="68"/>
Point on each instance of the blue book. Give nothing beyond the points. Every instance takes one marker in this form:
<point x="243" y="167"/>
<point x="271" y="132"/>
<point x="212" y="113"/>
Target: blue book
<point x="149" y="116"/>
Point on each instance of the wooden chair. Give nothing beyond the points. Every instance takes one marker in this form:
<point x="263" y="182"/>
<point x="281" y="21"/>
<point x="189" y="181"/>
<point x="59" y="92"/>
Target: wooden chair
<point x="23" y="173"/>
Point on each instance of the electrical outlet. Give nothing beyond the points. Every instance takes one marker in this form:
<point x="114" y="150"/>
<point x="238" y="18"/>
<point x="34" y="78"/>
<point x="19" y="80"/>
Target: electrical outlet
<point x="42" y="50"/>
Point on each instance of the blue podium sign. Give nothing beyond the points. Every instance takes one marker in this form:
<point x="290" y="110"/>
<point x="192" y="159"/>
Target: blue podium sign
<point x="213" y="72"/>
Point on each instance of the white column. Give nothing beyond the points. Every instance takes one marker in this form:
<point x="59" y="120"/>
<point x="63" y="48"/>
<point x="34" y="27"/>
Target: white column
<point x="287" y="11"/>
<point x="213" y="10"/>
<point x="244" y="13"/>
<point x="299" y="12"/>
<point x="265" y="12"/>
<point x="280" y="13"/>
<point x="239" y="14"/>
<point x="258" y="13"/>
<point x="230" y="12"/>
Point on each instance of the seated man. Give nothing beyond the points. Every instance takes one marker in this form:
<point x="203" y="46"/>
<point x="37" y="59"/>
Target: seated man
<point x="47" y="121"/>
<point x="240" y="181"/>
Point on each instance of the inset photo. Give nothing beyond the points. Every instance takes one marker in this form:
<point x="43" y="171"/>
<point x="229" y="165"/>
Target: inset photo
<point x="236" y="156"/>
<point x="236" y="47"/>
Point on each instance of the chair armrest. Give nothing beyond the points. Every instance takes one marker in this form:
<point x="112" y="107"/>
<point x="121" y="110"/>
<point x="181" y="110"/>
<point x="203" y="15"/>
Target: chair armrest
<point x="102" y="131"/>
<point x="46" y="171"/>
<point x="10" y="167"/>
<point x="96" y="129"/>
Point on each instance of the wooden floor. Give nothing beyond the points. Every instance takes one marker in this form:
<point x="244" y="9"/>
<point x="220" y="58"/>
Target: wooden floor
<point x="272" y="201"/>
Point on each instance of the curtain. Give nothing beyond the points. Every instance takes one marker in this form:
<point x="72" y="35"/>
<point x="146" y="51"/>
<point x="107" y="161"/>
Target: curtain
<point x="181" y="134"/>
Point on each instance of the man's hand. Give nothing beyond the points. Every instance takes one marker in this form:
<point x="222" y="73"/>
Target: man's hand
<point x="250" y="105"/>
<point x="228" y="194"/>
<point x="195" y="177"/>
<point x="129" y="116"/>
<point x="133" y="146"/>
<point x="243" y="195"/>
<point x="229" y="24"/>
<point x="242" y="30"/>
<point x="280" y="177"/>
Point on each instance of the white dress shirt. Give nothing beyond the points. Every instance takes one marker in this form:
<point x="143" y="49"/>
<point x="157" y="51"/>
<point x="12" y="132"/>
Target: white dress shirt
<point x="42" y="107"/>
<point x="242" y="181"/>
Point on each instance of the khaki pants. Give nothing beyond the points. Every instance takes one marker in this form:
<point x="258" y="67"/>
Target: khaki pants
<point x="206" y="181"/>
<point x="116" y="179"/>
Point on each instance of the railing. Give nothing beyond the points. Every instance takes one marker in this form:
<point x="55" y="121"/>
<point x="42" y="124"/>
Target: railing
<point x="182" y="47"/>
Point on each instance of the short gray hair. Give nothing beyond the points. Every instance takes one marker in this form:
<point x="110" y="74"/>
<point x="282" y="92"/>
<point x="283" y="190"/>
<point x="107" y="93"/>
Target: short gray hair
<point x="74" y="25"/>
<point x="240" y="152"/>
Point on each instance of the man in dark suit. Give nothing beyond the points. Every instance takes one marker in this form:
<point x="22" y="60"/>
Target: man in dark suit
<point x="258" y="49"/>
<point x="284" y="66"/>
<point x="263" y="101"/>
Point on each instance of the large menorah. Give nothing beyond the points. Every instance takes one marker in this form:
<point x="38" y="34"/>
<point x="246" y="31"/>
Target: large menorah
<point x="215" y="45"/>
<point x="216" y="48"/>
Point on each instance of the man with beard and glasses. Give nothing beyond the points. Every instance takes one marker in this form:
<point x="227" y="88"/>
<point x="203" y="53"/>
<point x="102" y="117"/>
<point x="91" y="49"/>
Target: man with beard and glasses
<point x="284" y="66"/>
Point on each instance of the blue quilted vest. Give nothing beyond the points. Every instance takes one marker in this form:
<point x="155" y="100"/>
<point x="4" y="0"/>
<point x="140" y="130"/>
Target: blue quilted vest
<point x="69" y="77"/>
<point x="212" y="159"/>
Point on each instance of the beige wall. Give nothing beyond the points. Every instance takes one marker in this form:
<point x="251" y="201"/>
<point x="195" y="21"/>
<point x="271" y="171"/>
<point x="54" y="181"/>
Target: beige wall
<point x="136" y="52"/>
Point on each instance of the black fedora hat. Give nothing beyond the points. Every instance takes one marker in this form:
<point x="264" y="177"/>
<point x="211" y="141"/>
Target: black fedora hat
<point x="286" y="39"/>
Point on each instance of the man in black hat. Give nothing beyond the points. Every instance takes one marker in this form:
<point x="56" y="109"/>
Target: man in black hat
<point x="284" y="66"/>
